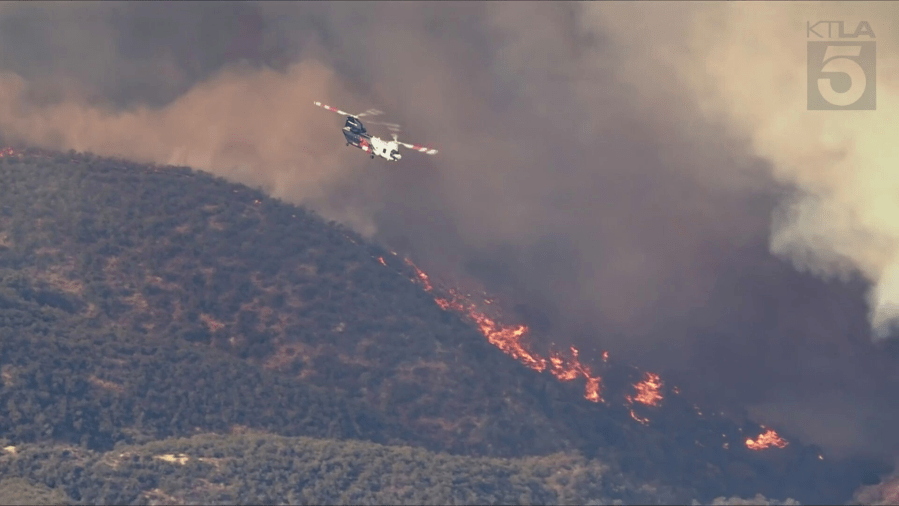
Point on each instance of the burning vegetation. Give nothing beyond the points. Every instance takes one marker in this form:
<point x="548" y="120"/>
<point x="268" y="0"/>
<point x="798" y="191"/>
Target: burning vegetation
<point x="648" y="392"/>
<point x="766" y="440"/>
<point x="509" y="340"/>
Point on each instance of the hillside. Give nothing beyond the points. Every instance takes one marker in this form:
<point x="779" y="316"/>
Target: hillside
<point x="144" y="303"/>
<point x="215" y="469"/>
<point x="264" y="469"/>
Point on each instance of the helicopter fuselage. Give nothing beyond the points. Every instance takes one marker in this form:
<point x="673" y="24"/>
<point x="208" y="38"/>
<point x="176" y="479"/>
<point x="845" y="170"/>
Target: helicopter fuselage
<point x="357" y="136"/>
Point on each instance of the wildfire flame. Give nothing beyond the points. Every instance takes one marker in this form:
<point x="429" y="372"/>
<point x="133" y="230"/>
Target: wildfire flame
<point x="509" y="340"/>
<point x="766" y="440"/>
<point x="635" y="416"/>
<point x="648" y="390"/>
<point x="648" y="393"/>
<point x="422" y="277"/>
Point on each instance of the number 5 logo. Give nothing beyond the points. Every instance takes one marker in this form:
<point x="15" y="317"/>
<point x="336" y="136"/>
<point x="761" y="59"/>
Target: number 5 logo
<point x="840" y="60"/>
<point x="830" y="64"/>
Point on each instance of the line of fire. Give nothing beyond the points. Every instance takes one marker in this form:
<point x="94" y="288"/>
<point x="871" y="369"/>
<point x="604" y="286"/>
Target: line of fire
<point x="511" y="339"/>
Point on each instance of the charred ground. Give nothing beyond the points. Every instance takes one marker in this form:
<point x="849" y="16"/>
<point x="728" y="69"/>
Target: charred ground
<point x="141" y="303"/>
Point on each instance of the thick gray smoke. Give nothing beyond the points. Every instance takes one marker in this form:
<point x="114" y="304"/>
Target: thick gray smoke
<point x="624" y="172"/>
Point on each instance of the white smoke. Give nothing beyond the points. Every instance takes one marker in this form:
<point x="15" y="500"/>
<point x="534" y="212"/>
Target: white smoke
<point x="746" y="66"/>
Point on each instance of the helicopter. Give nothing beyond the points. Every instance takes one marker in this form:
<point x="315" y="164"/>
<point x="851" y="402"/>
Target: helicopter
<point x="356" y="135"/>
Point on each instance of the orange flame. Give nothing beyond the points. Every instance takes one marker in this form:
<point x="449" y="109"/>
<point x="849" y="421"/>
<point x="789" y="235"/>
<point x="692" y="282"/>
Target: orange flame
<point x="509" y="340"/>
<point x="592" y="389"/>
<point x="766" y="440"/>
<point x="648" y="390"/>
<point x="421" y="276"/>
<point x="648" y="393"/>
<point x="635" y="416"/>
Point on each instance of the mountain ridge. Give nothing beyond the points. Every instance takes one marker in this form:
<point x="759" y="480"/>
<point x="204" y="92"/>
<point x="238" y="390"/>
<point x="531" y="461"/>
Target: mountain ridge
<point x="206" y="279"/>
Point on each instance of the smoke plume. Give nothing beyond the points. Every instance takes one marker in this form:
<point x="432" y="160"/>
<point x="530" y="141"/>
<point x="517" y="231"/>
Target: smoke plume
<point x="747" y="67"/>
<point x="621" y="172"/>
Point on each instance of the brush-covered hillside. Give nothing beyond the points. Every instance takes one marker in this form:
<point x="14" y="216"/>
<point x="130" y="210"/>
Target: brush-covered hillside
<point x="143" y="305"/>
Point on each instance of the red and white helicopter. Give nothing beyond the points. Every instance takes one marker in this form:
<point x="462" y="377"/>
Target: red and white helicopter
<point x="357" y="136"/>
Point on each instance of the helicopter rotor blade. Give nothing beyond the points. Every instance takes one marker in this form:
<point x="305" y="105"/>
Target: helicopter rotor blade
<point x="393" y="127"/>
<point x="420" y="149"/>
<point x="369" y="113"/>
<point x="332" y="109"/>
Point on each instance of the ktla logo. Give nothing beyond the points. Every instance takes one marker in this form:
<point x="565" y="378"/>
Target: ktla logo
<point x="841" y="73"/>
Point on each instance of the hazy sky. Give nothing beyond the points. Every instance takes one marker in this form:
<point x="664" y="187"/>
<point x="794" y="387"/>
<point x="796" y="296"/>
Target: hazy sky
<point x="644" y="178"/>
